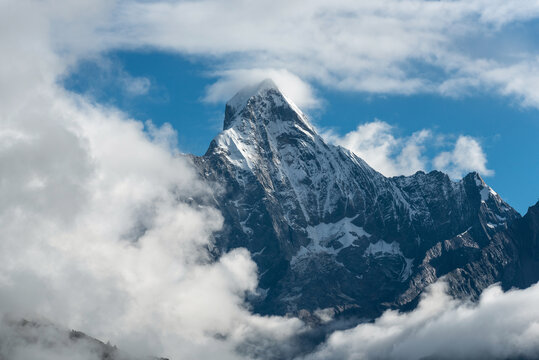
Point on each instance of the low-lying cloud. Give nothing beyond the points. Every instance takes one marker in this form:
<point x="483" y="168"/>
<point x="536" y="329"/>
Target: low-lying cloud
<point x="499" y="326"/>
<point x="98" y="230"/>
<point x="96" y="236"/>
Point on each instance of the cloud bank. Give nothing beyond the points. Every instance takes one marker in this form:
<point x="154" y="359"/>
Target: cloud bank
<point x="98" y="230"/>
<point x="98" y="235"/>
<point x="500" y="326"/>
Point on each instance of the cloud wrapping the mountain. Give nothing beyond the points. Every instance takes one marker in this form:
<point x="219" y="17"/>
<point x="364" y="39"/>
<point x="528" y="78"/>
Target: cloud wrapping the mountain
<point x="96" y="236"/>
<point x="291" y="85"/>
<point x="98" y="232"/>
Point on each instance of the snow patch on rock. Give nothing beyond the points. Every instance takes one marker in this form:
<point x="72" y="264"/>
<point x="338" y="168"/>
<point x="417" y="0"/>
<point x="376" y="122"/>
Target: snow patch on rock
<point x="324" y="235"/>
<point x="382" y="248"/>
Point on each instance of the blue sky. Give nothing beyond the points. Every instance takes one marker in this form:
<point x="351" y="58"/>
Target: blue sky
<point x="175" y="88"/>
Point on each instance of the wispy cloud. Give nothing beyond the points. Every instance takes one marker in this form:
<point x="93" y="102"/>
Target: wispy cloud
<point x="102" y="76"/>
<point x="291" y="85"/>
<point x="376" y="47"/>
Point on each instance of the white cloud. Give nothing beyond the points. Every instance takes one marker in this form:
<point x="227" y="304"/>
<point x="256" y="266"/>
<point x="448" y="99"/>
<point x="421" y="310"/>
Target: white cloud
<point x="164" y="136"/>
<point x="94" y="234"/>
<point x="232" y="81"/>
<point x="519" y="80"/>
<point x="377" y="47"/>
<point x="103" y="77"/>
<point x="466" y="156"/>
<point x="103" y="245"/>
<point x="500" y="326"/>
<point x="376" y="143"/>
<point x="388" y="46"/>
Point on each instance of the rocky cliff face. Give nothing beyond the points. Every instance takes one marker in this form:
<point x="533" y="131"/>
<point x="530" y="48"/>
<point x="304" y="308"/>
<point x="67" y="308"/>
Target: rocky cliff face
<point x="524" y="235"/>
<point x="329" y="233"/>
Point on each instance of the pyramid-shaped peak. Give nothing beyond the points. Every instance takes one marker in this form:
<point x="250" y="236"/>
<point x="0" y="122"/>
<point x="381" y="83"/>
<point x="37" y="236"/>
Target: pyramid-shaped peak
<point x="267" y="100"/>
<point x="242" y="97"/>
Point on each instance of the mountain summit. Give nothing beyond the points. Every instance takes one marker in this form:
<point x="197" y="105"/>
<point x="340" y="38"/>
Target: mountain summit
<point x="265" y="95"/>
<point x="257" y="119"/>
<point x="329" y="232"/>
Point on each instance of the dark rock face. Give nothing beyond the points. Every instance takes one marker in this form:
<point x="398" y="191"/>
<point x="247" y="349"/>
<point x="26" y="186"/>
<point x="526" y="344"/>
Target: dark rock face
<point x="524" y="233"/>
<point x="330" y="233"/>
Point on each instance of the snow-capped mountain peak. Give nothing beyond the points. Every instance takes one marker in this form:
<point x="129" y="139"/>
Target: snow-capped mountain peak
<point x="242" y="97"/>
<point x="259" y="121"/>
<point x="328" y="231"/>
<point x="264" y="98"/>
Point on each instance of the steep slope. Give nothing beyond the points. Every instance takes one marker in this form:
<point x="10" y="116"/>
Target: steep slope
<point x="329" y="232"/>
<point x="524" y="233"/>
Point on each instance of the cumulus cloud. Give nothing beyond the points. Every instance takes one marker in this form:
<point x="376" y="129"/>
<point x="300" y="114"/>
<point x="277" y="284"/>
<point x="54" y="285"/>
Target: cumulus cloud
<point x="376" y="143"/>
<point x="466" y="156"/>
<point x="500" y="326"/>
